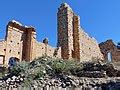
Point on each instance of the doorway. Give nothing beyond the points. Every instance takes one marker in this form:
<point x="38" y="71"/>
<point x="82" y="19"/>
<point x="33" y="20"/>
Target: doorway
<point x="109" y="56"/>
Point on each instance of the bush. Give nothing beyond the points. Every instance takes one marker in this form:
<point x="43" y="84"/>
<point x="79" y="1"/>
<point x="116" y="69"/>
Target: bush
<point x="20" y="67"/>
<point x="43" y="66"/>
<point x="36" y="72"/>
<point x="46" y="65"/>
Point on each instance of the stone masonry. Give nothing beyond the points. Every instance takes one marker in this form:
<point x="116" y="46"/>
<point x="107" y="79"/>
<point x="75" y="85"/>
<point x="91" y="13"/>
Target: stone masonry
<point x="74" y="42"/>
<point x="109" y="48"/>
<point x="20" y="41"/>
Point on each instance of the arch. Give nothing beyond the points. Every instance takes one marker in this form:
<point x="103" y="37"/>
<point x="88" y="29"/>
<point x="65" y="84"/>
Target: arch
<point x="107" y="48"/>
<point x="109" y="56"/>
<point x="13" y="61"/>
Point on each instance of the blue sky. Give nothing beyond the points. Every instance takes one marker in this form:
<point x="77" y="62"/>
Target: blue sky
<point x="99" y="18"/>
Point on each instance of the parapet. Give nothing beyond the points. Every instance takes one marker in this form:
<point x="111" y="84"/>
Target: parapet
<point x="65" y="5"/>
<point x="19" y="26"/>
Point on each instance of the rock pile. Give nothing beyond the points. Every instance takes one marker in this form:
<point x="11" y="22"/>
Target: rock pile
<point x="61" y="81"/>
<point x="58" y="73"/>
<point x="97" y="70"/>
<point x="13" y="81"/>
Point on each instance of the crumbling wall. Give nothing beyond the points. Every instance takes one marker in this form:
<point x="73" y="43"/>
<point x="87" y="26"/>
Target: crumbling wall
<point x="76" y="37"/>
<point x="40" y="49"/>
<point x="2" y="51"/>
<point x="29" y="44"/>
<point x="74" y="42"/>
<point x="43" y="49"/>
<point x="65" y="30"/>
<point x="20" y="42"/>
<point x="109" y="47"/>
<point x="13" y="43"/>
<point x="89" y="48"/>
<point x="2" y="47"/>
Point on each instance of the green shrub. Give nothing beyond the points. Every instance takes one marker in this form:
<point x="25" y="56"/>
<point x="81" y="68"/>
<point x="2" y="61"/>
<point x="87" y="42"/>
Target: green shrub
<point x="42" y="66"/>
<point x="36" y="72"/>
<point x="20" y="67"/>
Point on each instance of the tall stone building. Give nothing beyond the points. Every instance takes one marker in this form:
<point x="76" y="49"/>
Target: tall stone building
<point x="20" y="41"/>
<point x="74" y="42"/>
<point x="65" y="30"/>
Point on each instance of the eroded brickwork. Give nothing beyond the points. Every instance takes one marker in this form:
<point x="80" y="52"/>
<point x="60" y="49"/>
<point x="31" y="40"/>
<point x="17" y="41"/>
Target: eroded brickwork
<point x="73" y="42"/>
<point x="20" y="42"/>
<point x="2" y="47"/>
<point x="76" y="37"/>
<point x="2" y="51"/>
<point x="108" y="47"/>
<point x="13" y="42"/>
<point x="45" y="49"/>
<point x="65" y="30"/>
<point x="89" y="48"/>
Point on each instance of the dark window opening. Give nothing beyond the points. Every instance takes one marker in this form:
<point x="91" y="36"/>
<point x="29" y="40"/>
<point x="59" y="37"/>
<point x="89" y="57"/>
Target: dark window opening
<point x="4" y="49"/>
<point x="10" y="51"/>
<point x="18" y="52"/>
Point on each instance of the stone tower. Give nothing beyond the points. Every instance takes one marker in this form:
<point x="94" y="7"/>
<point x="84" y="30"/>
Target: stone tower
<point x="20" y="42"/>
<point x="68" y="32"/>
<point x="14" y="42"/>
<point x="29" y="38"/>
<point x="65" y="30"/>
<point x="76" y="37"/>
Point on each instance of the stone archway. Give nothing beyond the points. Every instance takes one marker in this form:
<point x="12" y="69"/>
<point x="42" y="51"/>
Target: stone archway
<point x="107" y="49"/>
<point x="13" y="61"/>
<point x="109" y="56"/>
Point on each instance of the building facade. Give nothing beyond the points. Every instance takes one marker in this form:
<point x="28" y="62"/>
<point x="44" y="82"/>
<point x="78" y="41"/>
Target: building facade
<point x="73" y="42"/>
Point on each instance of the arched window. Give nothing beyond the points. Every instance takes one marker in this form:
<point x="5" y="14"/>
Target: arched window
<point x="109" y="56"/>
<point x="13" y="61"/>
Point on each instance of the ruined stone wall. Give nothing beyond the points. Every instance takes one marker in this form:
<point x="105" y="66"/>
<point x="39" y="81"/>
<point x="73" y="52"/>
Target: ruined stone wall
<point x="40" y="49"/>
<point x="2" y="51"/>
<point x="116" y="56"/>
<point x="109" y="47"/>
<point x="57" y="52"/>
<point x="33" y="45"/>
<point x="65" y="30"/>
<point x="43" y="49"/>
<point x="74" y="42"/>
<point x="29" y="44"/>
<point x="50" y="51"/>
<point x="89" y="48"/>
<point x="2" y="47"/>
<point x="13" y="43"/>
<point x="20" y="42"/>
<point x="76" y="37"/>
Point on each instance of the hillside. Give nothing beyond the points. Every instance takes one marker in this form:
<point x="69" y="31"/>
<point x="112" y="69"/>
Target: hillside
<point x="61" y="73"/>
